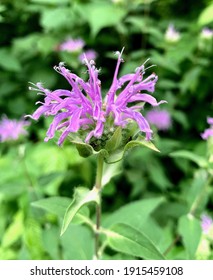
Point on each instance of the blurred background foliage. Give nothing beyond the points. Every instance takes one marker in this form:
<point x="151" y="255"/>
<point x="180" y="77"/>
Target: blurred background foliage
<point x="172" y="190"/>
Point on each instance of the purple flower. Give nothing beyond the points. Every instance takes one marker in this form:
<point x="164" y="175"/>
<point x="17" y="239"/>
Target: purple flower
<point x="90" y="55"/>
<point x="82" y="109"/>
<point x="12" y="129"/>
<point x="206" y="33"/>
<point x="206" y="223"/>
<point x="160" y="118"/>
<point x="172" y="35"/>
<point x="72" y="45"/>
<point x="209" y="131"/>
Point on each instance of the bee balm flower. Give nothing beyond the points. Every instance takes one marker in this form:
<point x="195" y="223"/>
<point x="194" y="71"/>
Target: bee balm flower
<point x="72" y="45"/>
<point x="172" y="35"/>
<point x="209" y="131"/>
<point x="12" y="129"/>
<point x="83" y="111"/>
<point x="160" y="118"/>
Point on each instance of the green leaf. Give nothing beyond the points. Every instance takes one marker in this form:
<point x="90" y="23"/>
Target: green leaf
<point x="82" y="196"/>
<point x="85" y="150"/>
<point x="100" y="15"/>
<point x="8" y="61"/>
<point x="14" y="231"/>
<point x="51" y="241"/>
<point x="33" y="239"/>
<point x="56" y="18"/>
<point x="190" y="230"/>
<point x="119" y="154"/>
<point x="200" y="161"/>
<point x="115" y="141"/>
<point x="56" y="205"/>
<point x="110" y="170"/>
<point x="77" y="243"/>
<point x="206" y="16"/>
<point x="52" y="2"/>
<point x="128" y="240"/>
<point x="134" y="213"/>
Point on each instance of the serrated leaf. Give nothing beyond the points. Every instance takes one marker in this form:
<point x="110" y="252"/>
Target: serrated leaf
<point x="82" y="196"/>
<point x="200" y="161"/>
<point x="128" y="240"/>
<point x="206" y="16"/>
<point x="190" y="230"/>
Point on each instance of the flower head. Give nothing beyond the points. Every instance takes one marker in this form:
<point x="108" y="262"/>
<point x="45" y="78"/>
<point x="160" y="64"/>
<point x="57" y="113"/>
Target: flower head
<point x="160" y="118"/>
<point x="206" y="33"/>
<point x="12" y="129"/>
<point x="72" y="45"/>
<point x="83" y="110"/>
<point x="209" y="131"/>
<point x="172" y="35"/>
<point x="90" y="55"/>
<point x="206" y="223"/>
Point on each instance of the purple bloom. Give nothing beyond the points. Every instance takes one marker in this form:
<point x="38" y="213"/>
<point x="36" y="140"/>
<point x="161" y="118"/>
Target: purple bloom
<point x="172" y="35"/>
<point x="82" y="109"/>
<point x="12" y="129"/>
<point x="206" y="33"/>
<point x="209" y="131"/>
<point x="206" y="223"/>
<point x="90" y="55"/>
<point x="160" y="118"/>
<point x="72" y="45"/>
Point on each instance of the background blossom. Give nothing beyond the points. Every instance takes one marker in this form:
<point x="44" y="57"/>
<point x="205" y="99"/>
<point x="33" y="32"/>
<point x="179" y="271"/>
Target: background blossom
<point x="206" y="223"/>
<point x="172" y="35"/>
<point x="160" y="118"/>
<point x="12" y="129"/>
<point x="72" y="45"/>
<point x="209" y="131"/>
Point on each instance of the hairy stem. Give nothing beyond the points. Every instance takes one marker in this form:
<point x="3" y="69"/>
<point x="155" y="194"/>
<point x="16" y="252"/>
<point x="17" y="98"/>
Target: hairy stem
<point x="98" y="185"/>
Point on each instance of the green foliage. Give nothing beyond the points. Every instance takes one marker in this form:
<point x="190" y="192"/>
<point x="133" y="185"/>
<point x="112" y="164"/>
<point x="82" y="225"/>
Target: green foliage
<point x="126" y="239"/>
<point x="82" y="196"/>
<point x="206" y="16"/>
<point x="190" y="230"/>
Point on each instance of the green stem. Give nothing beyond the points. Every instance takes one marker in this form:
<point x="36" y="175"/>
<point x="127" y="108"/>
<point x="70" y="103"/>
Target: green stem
<point x="98" y="185"/>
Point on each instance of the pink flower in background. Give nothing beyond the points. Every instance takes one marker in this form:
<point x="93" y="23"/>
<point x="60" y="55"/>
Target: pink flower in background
<point x="90" y="55"/>
<point x="206" y="33"/>
<point x="206" y="223"/>
<point x="209" y="131"/>
<point x="172" y="35"/>
<point x="12" y="129"/>
<point x="83" y="109"/>
<point x="160" y="118"/>
<point x="72" y="45"/>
